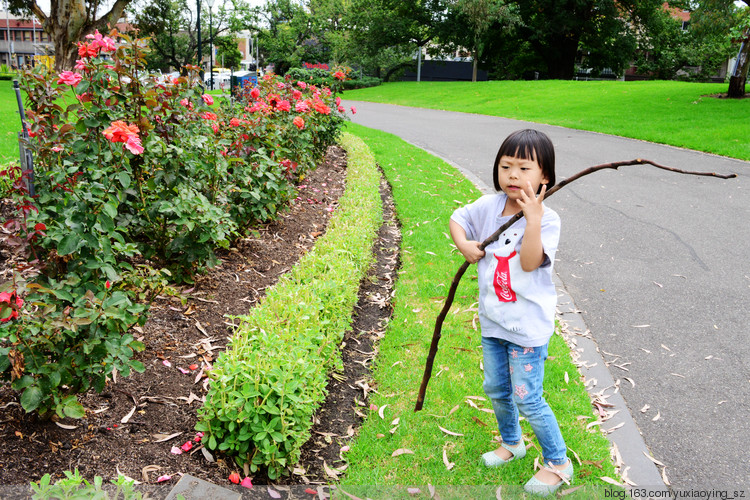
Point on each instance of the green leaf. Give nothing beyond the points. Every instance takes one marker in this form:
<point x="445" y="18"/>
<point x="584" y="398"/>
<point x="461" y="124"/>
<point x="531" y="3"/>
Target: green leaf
<point x="110" y="209"/>
<point x="22" y="383"/>
<point x="64" y="295"/>
<point x="31" y="398"/>
<point x="124" y="179"/>
<point x="91" y="122"/>
<point x="69" y="244"/>
<point x="72" y="408"/>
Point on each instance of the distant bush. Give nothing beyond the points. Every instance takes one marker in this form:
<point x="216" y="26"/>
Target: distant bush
<point x="321" y="77"/>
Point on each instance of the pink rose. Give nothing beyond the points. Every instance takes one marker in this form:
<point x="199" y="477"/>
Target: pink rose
<point x="69" y="78"/>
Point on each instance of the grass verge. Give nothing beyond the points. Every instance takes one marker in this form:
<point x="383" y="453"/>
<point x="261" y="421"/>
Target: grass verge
<point x="426" y="190"/>
<point x="10" y="125"/>
<point x="677" y="113"/>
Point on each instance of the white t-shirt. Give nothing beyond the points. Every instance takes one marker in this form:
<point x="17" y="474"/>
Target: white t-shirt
<point x="513" y="305"/>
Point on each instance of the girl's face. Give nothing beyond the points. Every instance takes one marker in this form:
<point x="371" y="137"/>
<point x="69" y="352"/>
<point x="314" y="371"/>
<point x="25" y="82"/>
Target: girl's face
<point x="514" y="174"/>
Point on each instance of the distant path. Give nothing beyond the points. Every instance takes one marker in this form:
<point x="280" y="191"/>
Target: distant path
<point x="660" y="265"/>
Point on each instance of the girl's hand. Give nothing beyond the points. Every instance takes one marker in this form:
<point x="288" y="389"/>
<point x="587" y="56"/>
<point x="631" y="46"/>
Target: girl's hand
<point x="471" y="252"/>
<point x="531" y="204"/>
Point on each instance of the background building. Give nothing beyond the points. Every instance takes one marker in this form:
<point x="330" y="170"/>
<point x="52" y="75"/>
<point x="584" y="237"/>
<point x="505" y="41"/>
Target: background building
<point x="21" y="40"/>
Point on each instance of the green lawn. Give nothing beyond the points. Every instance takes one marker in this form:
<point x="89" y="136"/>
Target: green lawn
<point x="10" y="125"/>
<point x="426" y="190"/>
<point x="677" y="113"/>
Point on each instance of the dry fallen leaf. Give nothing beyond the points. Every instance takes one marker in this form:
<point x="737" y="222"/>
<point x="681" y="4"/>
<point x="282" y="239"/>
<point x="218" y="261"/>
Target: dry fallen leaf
<point x="609" y="480"/>
<point x="330" y="472"/>
<point x="146" y="470"/>
<point x="64" y="426"/>
<point x="645" y="408"/>
<point x="160" y="438"/>
<point x="657" y="417"/>
<point x="402" y="451"/>
<point x="664" y="476"/>
<point x="657" y="462"/>
<point x="127" y="417"/>
<point x="448" y="464"/>
<point x="478" y="422"/>
<point x="381" y="413"/>
<point x="449" y="432"/>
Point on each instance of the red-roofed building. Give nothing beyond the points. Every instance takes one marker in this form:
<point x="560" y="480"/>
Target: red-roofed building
<point x="21" y="40"/>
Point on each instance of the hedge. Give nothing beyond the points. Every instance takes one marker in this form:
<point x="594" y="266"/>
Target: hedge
<point x="272" y="378"/>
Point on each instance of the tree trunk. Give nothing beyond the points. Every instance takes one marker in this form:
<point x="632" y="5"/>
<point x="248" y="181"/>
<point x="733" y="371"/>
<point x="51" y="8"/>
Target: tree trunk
<point x="737" y="80"/>
<point x="736" y="87"/>
<point x="560" y="57"/>
<point x="474" y="68"/>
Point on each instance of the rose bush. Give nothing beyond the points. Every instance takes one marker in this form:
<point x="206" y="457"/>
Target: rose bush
<point x="137" y="180"/>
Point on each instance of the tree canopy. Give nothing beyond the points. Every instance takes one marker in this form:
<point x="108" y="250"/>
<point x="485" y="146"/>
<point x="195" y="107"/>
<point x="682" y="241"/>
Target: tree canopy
<point x="69" y="22"/>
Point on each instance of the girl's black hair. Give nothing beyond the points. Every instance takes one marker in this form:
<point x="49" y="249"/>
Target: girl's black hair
<point x="528" y="144"/>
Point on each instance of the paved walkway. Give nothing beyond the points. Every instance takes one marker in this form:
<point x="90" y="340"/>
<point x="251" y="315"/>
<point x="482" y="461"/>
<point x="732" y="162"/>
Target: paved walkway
<point x="658" y="264"/>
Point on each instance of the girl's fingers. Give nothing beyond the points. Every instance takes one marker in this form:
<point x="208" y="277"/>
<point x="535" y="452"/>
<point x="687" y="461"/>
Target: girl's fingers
<point x="542" y="192"/>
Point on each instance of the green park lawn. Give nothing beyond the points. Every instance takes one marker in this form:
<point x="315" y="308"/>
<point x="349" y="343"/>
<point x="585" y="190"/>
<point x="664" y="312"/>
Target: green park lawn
<point x="677" y="113"/>
<point x="10" y="124"/>
<point x="426" y="190"/>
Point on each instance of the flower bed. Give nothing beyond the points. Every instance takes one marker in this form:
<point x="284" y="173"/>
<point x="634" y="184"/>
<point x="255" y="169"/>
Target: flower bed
<point x="137" y="183"/>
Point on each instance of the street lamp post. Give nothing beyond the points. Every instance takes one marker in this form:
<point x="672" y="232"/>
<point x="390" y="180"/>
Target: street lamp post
<point x="211" y="36"/>
<point x="200" y="53"/>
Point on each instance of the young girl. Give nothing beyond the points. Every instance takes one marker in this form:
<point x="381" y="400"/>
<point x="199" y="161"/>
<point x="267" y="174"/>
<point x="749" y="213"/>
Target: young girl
<point x="517" y="300"/>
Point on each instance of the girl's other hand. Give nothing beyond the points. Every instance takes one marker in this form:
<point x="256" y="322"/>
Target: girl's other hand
<point x="531" y="204"/>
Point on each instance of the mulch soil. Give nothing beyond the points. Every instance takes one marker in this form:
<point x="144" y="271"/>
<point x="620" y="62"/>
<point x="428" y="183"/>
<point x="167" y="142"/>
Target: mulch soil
<point x="125" y="427"/>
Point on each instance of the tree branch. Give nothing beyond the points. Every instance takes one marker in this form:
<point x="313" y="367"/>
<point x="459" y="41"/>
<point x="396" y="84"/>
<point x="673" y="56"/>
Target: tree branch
<point x="494" y="236"/>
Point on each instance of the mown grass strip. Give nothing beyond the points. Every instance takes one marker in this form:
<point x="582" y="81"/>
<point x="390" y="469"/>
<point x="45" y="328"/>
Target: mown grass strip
<point x="677" y="113"/>
<point x="266" y="387"/>
<point x="10" y="125"/>
<point x="426" y="190"/>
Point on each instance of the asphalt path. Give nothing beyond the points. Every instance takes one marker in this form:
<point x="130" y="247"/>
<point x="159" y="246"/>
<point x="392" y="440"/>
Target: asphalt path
<point x="658" y="264"/>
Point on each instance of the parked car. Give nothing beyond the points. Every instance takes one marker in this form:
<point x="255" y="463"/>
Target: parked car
<point x="221" y="80"/>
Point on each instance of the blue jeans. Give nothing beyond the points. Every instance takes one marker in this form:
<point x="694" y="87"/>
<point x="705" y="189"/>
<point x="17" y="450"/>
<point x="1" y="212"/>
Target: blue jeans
<point x="513" y="380"/>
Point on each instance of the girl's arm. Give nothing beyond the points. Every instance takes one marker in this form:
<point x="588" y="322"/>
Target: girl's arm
<point x="532" y="250"/>
<point x="468" y="248"/>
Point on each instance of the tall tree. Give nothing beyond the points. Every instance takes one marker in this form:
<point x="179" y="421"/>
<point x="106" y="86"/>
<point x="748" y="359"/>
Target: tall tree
<point x="709" y="45"/>
<point x="227" y="53"/>
<point x="471" y="22"/>
<point x="171" y="27"/>
<point x="605" y="29"/>
<point x="69" y="22"/>
<point x="288" y="39"/>
<point x="395" y="28"/>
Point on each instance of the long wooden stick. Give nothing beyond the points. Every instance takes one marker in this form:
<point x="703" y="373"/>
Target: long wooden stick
<point x="494" y="236"/>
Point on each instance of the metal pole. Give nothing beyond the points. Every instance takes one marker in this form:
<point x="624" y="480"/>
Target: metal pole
<point x="200" y="52"/>
<point x="211" y="35"/>
<point x="419" y="64"/>
<point x="24" y="136"/>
